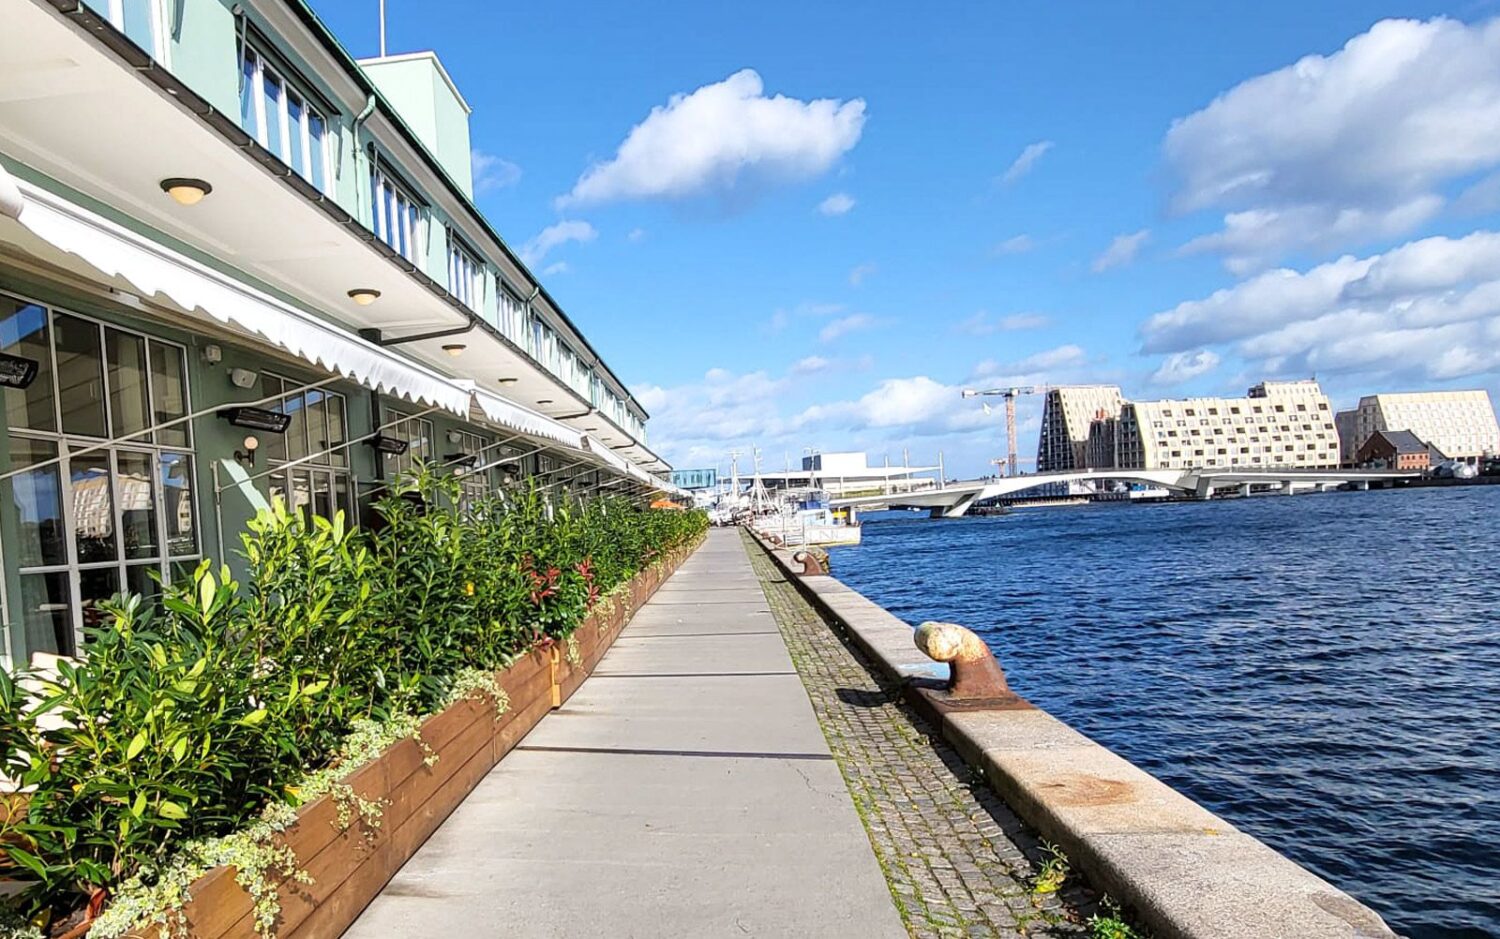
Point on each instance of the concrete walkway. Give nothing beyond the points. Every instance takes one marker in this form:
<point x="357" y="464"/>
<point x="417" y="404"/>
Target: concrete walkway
<point x="685" y="790"/>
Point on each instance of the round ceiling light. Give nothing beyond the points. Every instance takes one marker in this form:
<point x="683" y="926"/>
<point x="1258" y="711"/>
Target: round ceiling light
<point x="543" y="400"/>
<point x="185" y="190"/>
<point x="364" y="296"/>
<point x="507" y="381"/>
<point x="455" y="349"/>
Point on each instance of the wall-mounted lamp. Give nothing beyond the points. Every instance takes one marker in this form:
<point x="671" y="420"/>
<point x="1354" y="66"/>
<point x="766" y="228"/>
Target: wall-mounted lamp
<point x="18" y="371"/>
<point x="185" y="190"/>
<point x="455" y="349"/>
<point x="455" y="436"/>
<point x="242" y="378"/>
<point x="462" y="460"/>
<point x="247" y="455"/>
<point x="364" y="296"/>
<point x="213" y="354"/>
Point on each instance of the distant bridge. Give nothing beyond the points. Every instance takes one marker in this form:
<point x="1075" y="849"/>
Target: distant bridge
<point x="953" y="500"/>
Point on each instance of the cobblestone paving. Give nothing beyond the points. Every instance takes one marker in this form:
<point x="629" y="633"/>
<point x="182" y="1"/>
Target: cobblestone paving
<point x="958" y="861"/>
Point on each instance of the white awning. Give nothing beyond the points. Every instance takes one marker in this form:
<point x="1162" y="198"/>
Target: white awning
<point x="512" y="416"/>
<point x="607" y="456"/>
<point x="157" y="271"/>
<point x="10" y="195"/>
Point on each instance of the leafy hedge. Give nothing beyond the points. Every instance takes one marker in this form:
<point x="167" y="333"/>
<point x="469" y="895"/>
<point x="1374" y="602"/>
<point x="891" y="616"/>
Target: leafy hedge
<point x="216" y="711"/>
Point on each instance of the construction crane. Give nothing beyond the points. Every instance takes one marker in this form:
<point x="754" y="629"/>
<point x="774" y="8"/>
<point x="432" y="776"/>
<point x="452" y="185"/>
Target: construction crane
<point x="1010" y="395"/>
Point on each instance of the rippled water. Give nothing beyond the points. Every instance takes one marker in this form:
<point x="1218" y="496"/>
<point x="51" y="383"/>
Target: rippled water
<point x="1321" y="670"/>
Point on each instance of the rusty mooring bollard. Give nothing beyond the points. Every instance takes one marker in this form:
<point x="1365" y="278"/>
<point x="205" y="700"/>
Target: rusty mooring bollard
<point x="973" y="671"/>
<point x="813" y="563"/>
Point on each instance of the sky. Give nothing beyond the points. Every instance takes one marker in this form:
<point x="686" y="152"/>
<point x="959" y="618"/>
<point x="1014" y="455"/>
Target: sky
<point x="795" y="226"/>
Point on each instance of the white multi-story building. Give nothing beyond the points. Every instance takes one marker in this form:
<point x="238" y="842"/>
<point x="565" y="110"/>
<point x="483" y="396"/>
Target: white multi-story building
<point x="1460" y="424"/>
<point x="1066" y="418"/>
<point x="1277" y="424"/>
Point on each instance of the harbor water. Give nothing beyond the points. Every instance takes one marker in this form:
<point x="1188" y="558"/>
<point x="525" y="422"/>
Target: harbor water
<point x="1323" y="671"/>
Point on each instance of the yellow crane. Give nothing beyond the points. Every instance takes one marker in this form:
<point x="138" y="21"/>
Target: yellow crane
<point x="1010" y="395"/>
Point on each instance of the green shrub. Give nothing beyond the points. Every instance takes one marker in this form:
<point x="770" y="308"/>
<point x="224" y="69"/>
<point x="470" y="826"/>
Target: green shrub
<point x="209" y="714"/>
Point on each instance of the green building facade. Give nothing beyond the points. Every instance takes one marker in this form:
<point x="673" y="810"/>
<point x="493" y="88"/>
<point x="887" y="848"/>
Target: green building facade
<point x="206" y="205"/>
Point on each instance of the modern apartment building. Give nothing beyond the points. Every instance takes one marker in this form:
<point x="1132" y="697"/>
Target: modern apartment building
<point x="1067" y="415"/>
<point x="1277" y="424"/>
<point x="237" y="263"/>
<point x="1460" y="424"/>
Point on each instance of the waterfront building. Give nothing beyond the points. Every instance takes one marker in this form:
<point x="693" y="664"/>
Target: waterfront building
<point x="1459" y="423"/>
<point x="848" y="474"/>
<point x="1277" y="424"/>
<point x="238" y="263"/>
<point x="1068" y="414"/>
<point x="1396" y="449"/>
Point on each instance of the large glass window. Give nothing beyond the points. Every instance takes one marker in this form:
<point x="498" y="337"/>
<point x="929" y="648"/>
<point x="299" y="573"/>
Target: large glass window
<point x="320" y="483"/>
<point x="464" y="274"/>
<point x="474" y="483"/>
<point x="117" y="503"/>
<point x="395" y="214"/>
<point x="282" y="120"/>
<point x="417" y="432"/>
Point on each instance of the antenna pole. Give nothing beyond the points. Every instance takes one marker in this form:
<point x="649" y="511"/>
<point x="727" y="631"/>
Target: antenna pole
<point x="382" y="29"/>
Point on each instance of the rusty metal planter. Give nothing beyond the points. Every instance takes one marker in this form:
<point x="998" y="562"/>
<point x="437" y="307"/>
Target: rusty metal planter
<point x="349" y="866"/>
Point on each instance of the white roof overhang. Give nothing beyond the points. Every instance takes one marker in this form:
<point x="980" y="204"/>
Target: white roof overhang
<point x="50" y="228"/>
<point x="71" y="110"/>
<point x="510" y="416"/>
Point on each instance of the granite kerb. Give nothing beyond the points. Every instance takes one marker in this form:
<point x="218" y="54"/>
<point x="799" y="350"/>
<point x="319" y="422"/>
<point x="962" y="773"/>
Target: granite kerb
<point x="1184" y="872"/>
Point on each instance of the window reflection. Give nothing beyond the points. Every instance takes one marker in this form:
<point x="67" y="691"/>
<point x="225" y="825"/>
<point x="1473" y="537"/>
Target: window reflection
<point x="137" y="491"/>
<point x="93" y="508"/>
<point x="80" y="375"/>
<point x="128" y="406"/>
<point x="37" y="497"/>
<point x="23" y="332"/>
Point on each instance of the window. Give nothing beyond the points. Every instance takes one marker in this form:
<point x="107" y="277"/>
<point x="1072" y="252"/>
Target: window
<point x="512" y="316"/>
<point x="464" y="274"/>
<point x="101" y="521"/>
<point x="143" y="21"/>
<point x="395" y="215"/>
<point x="417" y="432"/>
<point x="317" y="434"/>
<point x="474" y="485"/>
<point x="280" y="119"/>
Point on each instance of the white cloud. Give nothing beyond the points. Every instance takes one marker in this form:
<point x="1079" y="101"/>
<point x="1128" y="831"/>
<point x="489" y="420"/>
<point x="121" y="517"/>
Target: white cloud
<point x="492" y="172"/>
<point x="534" y="251"/>
<point x="859" y="273"/>
<point x="811" y="365"/>
<point x="722" y="139"/>
<point x="636" y="234"/>
<point x="1428" y="310"/>
<point x="1019" y="244"/>
<point x="1481" y="198"/>
<point x="557" y="267"/>
<point x="845" y="325"/>
<point x="1026" y="161"/>
<point x="1348" y="147"/>
<point x="837" y="204"/>
<point x="983" y="324"/>
<point x="1251" y="238"/>
<point x="1065" y="364"/>
<point x="1182" y="366"/>
<point x="1121" y="251"/>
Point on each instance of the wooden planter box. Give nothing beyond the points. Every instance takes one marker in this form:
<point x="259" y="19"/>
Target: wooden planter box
<point x="350" y="866"/>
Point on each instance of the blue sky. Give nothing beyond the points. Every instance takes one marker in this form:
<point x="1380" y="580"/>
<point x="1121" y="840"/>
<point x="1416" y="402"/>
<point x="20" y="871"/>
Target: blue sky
<point x="888" y="207"/>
